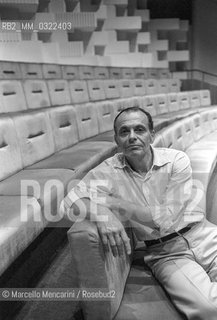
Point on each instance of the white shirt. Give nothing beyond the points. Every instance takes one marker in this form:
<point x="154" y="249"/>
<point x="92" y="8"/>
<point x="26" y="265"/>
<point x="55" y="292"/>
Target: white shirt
<point x="165" y="193"/>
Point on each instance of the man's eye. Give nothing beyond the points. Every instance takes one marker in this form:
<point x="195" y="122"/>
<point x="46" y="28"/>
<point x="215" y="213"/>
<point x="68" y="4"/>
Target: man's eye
<point x="140" y="129"/>
<point x="123" y="131"/>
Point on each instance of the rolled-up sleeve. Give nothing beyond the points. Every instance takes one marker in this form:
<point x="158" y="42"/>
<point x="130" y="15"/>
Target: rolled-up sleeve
<point x="94" y="185"/>
<point x="169" y="213"/>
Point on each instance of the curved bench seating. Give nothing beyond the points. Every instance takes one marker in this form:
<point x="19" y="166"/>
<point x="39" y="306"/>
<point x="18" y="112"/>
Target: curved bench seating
<point x="16" y="234"/>
<point x="164" y="108"/>
<point x="33" y="148"/>
<point x="51" y="112"/>
<point x="136" y="292"/>
<point x="62" y="143"/>
<point x="197" y="136"/>
<point x="19" y="95"/>
<point x="22" y="70"/>
<point x="38" y="148"/>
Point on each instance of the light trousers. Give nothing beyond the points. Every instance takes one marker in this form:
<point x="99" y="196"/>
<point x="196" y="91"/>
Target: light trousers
<point x="186" y="267"/>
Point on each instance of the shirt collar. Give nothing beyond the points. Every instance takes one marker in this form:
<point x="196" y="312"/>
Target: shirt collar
<point x="160" y="158"/>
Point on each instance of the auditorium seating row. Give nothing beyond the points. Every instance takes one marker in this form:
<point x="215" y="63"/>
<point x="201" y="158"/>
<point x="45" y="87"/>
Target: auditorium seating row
<point x="19" y="70"/>
<point x="12" y="100"/>
<point x="25" y="140"/>
<point x="160" y="104"/>
<point x="136" y="292"/>
<point x="18" y="95"/>
<point x="56" y="146"/>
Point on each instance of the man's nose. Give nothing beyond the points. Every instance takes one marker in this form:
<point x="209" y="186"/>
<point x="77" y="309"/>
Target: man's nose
<point x="132" y="135"/>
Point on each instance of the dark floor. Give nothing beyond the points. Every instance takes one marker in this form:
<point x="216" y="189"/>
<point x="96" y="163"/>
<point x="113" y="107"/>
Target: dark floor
<point x="58" y="275"/>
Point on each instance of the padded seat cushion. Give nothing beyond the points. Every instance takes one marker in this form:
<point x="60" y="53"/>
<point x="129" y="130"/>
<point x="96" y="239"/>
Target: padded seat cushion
<point x="59" y="92"/>
<point x="183" y="100"/>
<point x="174" y="85"/>
<point x="161" y="103"/>
<point x="87" y="123"/>
<point x="139" y="87"/>
<point x="64" y="127"/>
<point x="202" y="163"/>
<point x="164" y="120"/>
<point x="111" y="89"/>
<point x="203" y="155"/>
<point x="163" y="86"/>
<point x="105" y="136"/>
<point x="195" y="98"/>
<point x="12" y="185"/>
<point x="143" y="294"/>
<point x="48" y="186"/>
<point x="36" y="94"/>
<point x="96" y="90"/>
<point x="78" y="91"/>
<point x="205" y="99"/>
<point x="207" y="142"/>
<point x="10" y="156"/>
<point x="16" y="235"/>
<point x="105" y="115"/>
<point x="124" y="103"/>
<point x="173" y="104"/>
<point x="177" y="115"/>
<point x="159" y="123"/>
<point x="35" y="136"/>
<point x="205" y="158"/>
<point x="81" y="153"/>
<point x="149" y="103"/>
<point x="12" y="96"/>
<point x="126" y="88"/>
<point x="151" y="86"/>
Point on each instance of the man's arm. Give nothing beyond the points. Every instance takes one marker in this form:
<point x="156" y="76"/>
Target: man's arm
<point x="168" y="213"/>
<point x="129" y="210"/>
<point x="110" y="229"/>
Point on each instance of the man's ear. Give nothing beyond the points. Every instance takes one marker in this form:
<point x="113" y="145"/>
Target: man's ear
<point x="152" y="134"/>
<point x="115" y="138"/>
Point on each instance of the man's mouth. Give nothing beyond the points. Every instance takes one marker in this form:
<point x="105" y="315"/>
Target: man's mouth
<point x="133" y="146"/>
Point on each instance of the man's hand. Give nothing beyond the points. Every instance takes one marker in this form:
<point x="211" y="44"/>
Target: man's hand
<point x="110" y="229"/>
<point x="112" y="232"/>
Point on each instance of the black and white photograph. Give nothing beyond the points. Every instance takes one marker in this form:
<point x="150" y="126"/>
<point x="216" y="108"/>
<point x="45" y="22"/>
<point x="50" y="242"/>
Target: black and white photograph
<point x="108" y="159"/>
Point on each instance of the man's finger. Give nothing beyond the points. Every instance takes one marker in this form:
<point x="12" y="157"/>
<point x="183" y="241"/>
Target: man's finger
<point x="119" y="244"/>
<point x="126" y="241"/>
<point x="103" y="235"/>
<point x="113" y="244"/>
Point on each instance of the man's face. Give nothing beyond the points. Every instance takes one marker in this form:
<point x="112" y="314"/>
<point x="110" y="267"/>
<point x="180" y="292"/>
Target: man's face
<point x="133" y="135"/>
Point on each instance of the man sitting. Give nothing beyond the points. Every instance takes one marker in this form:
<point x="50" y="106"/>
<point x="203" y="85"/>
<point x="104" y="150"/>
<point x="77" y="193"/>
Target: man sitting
<point x="152" y="189"/>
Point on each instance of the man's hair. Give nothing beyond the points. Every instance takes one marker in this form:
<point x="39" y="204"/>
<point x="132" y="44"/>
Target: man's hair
<point x="135" y="109"/>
